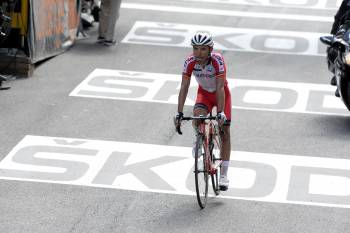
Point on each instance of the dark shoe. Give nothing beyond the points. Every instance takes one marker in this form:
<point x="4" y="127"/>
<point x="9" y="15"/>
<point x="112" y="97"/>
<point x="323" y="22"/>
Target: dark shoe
<point x="334" y="81"/>
<point x="337" y="93"/>
<point x="100" y="40"/>
<point x="2" y="79"/>
<point x="110" y="42"/>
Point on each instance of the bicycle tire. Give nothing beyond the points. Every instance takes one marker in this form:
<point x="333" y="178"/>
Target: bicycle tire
<point x="215" y="155"/>
<point x="201" y="173"/>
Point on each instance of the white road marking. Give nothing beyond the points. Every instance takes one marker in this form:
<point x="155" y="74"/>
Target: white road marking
<point x="333" y="185"/>
<point x="228" y="38"/>
<point x="275" y="178"/>
<point x="331" y="102"/>
<point x="245" y="14"/>
<point x="270" y="97"/>
<point x="302" y="4"/>
<point x="246" y="94"/>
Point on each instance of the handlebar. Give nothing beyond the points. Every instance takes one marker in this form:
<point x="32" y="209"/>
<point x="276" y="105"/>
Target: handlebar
<point x="202" y="118"/>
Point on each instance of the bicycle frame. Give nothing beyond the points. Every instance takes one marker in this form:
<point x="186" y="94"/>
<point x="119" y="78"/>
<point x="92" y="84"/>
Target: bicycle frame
<point x="207" y="130"/>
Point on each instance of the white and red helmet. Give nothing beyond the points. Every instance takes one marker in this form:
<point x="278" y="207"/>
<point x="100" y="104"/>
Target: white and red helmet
<point x="202" y="38"/>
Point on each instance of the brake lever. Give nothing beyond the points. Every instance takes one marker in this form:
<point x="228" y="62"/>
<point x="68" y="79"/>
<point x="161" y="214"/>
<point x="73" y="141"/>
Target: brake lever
<point x="178" y="130"/>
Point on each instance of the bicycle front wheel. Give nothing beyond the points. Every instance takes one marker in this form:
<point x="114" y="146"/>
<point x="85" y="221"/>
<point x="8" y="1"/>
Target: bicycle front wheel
<point x="201" y="173"/>
<point x="215" y="155"/>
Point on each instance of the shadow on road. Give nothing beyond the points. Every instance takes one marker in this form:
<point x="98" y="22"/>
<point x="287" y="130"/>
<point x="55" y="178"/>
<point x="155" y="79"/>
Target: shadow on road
<point x="336" y="126"/>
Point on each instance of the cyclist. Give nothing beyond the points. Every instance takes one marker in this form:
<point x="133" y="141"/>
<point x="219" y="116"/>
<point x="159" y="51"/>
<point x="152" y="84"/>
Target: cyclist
<point x="342" y="15"/>
<point x="209" y="69"/>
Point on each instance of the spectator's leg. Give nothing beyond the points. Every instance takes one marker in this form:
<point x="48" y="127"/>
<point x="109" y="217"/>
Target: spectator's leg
<point x="113" y="17"/>
<point x="104" y="17"/>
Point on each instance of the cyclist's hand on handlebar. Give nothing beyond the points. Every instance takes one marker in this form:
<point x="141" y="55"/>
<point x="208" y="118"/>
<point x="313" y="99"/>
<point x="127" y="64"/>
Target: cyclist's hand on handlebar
<point x="177" y="121"/>
<point x="221" y="117"/>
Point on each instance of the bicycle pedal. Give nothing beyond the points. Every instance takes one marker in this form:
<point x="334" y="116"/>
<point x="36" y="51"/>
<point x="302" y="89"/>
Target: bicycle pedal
<point x="223" y="188"/>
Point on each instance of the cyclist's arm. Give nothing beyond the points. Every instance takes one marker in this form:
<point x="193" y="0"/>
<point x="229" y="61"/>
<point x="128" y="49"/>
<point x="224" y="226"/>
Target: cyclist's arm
<point x="339" y="16"/>
<point x="220" y="92"/>
<point x="185" y="84"/>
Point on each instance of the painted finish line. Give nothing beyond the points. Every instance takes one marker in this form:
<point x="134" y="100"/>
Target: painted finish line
<point x="246" y="94"/>
<point x="228" y="38"/>
<point x="155" y="168"/>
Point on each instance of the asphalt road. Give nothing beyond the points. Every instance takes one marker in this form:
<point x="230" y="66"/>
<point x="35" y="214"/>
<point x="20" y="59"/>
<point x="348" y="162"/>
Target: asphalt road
<point x="88" y="145"/>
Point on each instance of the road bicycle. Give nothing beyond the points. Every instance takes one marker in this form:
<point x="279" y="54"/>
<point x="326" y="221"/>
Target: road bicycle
<point x="207" y="156"/>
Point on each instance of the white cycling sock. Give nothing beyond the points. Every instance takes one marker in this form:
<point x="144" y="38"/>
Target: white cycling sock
<point x="224" y="167"/>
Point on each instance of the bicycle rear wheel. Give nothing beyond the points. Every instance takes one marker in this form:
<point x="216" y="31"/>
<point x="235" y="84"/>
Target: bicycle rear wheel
<point x="215" y="153"/>
<point x="201" y="173"/>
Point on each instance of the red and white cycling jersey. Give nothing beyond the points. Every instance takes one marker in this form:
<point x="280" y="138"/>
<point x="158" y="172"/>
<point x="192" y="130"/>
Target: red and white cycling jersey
<point x="206" y="76"/>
